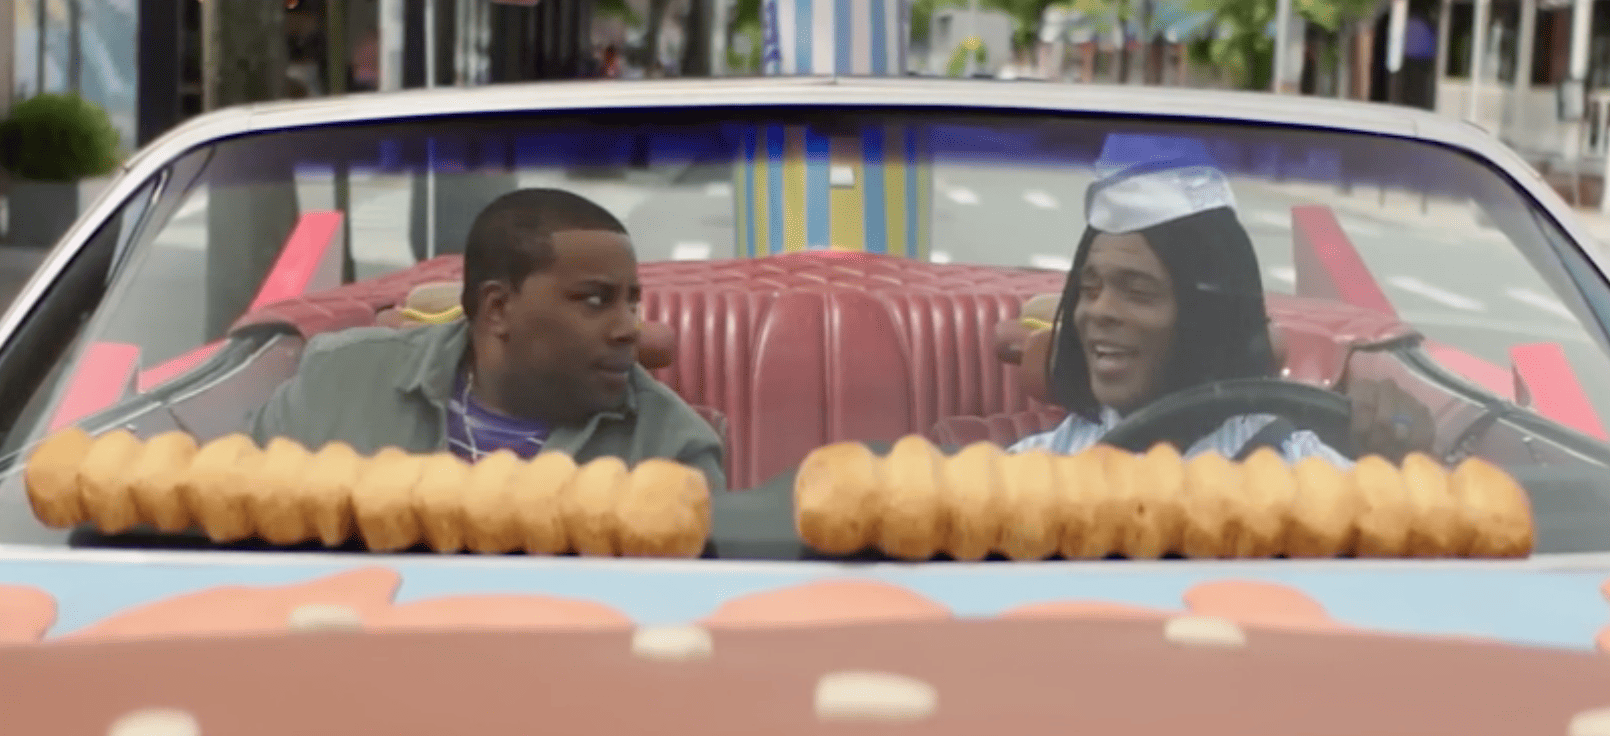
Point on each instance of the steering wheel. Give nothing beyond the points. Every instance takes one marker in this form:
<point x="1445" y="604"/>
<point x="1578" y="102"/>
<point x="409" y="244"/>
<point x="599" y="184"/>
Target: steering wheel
<point x="1202" y="408"/>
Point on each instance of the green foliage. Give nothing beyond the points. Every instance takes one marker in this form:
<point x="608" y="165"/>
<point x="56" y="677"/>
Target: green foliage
<point x="745" y="63"/>
<point x="1243" y="50"/>
<point x="957" y="65"/>
<point x="617" y="9"/>
<point x="58" y="137"/>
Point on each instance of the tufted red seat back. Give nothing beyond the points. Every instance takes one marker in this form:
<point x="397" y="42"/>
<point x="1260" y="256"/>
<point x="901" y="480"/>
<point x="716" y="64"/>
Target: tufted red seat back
<point x="805" y="349"/>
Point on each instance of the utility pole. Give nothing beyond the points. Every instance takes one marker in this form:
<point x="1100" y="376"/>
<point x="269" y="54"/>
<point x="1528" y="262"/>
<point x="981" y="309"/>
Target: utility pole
<point x="240" y="61"/>
<point x="75" y="47"/>
<point x="1282" y="43"/>
<point x="1148" y="65"/>
<point x="1396" y="26"/>
<point x="1478" y="50"/>
<point x="251" y="199"/>
<point x="337" y="53"/>
<point x="697" y="39"/>
<point x="40" y="16"/>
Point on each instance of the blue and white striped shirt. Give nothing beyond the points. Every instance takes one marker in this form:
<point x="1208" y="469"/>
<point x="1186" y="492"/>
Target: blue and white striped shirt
<point x="1076" y="433"/>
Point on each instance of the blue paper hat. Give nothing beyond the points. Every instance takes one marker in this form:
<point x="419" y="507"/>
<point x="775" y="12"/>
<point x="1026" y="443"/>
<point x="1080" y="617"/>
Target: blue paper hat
<point x="1147" y="180"/>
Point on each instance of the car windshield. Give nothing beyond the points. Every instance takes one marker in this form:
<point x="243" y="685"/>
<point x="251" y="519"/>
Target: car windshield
<point x="817" y="275"/>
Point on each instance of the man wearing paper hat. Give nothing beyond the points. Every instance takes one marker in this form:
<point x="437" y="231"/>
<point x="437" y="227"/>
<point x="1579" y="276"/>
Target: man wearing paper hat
<point x="1165" y="294"/>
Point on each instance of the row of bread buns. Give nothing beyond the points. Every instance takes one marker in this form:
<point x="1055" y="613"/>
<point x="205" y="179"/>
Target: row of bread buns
<point x="284" y="494"/>
<point x="916" y="502"/>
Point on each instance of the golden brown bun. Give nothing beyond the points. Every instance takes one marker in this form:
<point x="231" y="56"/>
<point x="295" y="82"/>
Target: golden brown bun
<point x="1270" y="491"/>
<point x="838" y="498"/>
<point x="1326" y="512"/>
<point x="154" y="481"/>
<point x="590" y="503"/>
<point x="1157" y="504"/>
<point x="974" y="500"/>
<point x="439" y="501"/>
<point x="1092" y="472"/>
<point x="538" y="489"/>
<point x="913" y="526"/>
<point x="1495" y="509"/>
<point x="490" y="527"/>
<point x="103" y="480"/>
<point x="1214" y="500"/>
<point x="665" y="511"/>
<point x="1383" y="526"/>
<point x="1434" y="529"/>
<point x="329" y="482"/>
<point x="1074" y="504"/>
<point x="214" y="487"/>
<point x="272" y="498"/>
<point x="51" y="477"/>
<point x="1031" y="529"/>
<point x="382" y="502"/>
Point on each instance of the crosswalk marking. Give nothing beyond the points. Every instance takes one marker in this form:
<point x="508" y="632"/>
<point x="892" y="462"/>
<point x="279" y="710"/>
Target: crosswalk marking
<point x="1437" y="294"/>
<point x="1267" y="218"/>
<point x="690" y="251"/>
<point x="1541" y="301"/>
<point x="1042" y="199"/>
<point x="1050" y="262"/>
<point x="962" y="195"/>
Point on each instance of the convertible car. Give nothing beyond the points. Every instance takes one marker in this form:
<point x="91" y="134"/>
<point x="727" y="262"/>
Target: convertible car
<point x="822" y="260"/>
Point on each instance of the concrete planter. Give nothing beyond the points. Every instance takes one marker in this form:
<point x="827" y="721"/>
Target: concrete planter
<point x="40" y="211"/>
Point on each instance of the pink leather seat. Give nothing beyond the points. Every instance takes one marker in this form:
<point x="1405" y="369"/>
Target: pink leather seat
<point x="806" y="349"/>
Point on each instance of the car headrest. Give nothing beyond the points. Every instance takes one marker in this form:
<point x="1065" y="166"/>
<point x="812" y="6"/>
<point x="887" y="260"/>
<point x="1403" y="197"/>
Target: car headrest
<point x="438" y="302"/>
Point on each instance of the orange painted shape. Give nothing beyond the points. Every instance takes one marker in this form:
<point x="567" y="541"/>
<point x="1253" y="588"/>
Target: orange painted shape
<point x="26" y="613"/>
<point x="237" y="609"/>
<point x="1548" y="380"/>
<point x="519" y="612"/>
<point x="827" y="602"/>
<point x="1255" y="603"/>
<point x="1603" y="639"/>
<point x="1085" y="609"/>
<point x="1328" y="266"/>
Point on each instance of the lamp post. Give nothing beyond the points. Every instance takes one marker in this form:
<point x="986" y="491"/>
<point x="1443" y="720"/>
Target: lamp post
<point x="1282" y="41"/>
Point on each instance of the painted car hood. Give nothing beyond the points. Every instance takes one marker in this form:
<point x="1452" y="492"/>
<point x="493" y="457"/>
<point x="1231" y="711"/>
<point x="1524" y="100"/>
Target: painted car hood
<point x="96" y="594"/>
<point x="253" y="644"/>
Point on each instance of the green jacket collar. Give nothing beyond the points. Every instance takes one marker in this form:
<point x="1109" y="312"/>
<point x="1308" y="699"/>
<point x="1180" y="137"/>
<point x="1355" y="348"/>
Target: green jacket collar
<point x="430" y="368"/>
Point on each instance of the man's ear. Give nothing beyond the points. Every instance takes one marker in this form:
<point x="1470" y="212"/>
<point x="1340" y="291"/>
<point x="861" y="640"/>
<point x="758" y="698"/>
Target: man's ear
<point x="492" y="306"/>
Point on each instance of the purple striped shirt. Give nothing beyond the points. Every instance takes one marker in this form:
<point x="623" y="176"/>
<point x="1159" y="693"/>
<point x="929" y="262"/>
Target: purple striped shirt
<point x="473" y="431"/>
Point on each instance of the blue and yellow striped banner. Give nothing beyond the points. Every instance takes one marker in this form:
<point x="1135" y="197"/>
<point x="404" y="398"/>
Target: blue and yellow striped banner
<point x="800" y="189"/>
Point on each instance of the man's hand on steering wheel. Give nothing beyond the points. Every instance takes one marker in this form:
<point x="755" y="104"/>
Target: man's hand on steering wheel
<point x="1387" y="421"/>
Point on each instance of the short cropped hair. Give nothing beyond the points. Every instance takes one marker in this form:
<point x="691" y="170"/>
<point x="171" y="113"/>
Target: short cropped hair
<point x="513" y="237"/>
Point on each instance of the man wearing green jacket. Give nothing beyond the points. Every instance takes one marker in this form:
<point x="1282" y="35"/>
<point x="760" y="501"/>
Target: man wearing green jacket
<point x="545" y="357"/>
